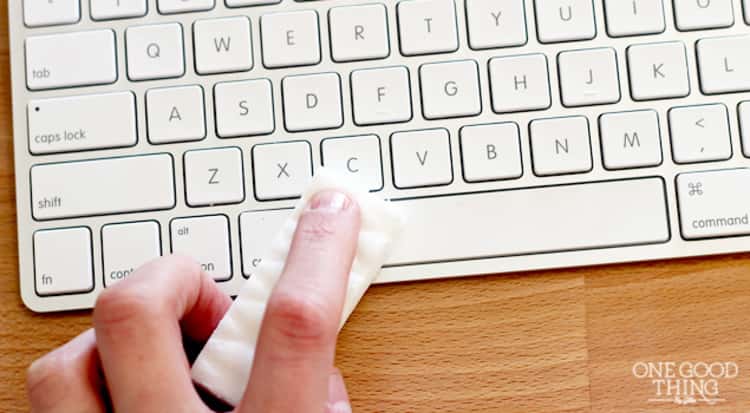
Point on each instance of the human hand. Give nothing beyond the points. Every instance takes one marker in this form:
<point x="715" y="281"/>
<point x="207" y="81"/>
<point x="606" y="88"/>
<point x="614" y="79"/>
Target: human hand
<point x="133" y="359"/>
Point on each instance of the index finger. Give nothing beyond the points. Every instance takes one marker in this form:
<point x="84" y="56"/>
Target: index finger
<point x="139" y="324"/>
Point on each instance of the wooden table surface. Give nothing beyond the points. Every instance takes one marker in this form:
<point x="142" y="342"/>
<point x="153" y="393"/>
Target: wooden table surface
<point x="554" y="341"/>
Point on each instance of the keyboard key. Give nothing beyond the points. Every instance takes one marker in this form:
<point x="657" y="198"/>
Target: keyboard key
<point x="71" y="59"/>
<point x="257" y="231"/>
<point x="290" y="39"/>
<point x="182" y="6"/>
<point x="206" y="240"/>
<point x="746" y="6"/>
<point x="534" y="220"/>
<point x="703" y="14"/>
<point x="491" y="152"/>
<point x="381" y="95"/>
<point x="125" y="247"/>
<point x="102" y="186"/>
<point x="496" y="23"/>
<point x="359" y="32"/>
<point x="281" y="170"/>
<point x="243" y="3"/>
<point x="658" y="71"/>
<point x="358" y="156"/>
<point x="714" y="203"/>
<point x="175" y="114"/>
<point x="421" y="158"/>
<point x="427" y="26"/>
<point x="723" y="65"/>
<point x="561" y="145"/>
<point x="565" y="20"/>
<point x="450" y="89"/>
<point x="214" y="177"/>
<point x="744" y="109"/>
<point x="85" y="122"/>
<point x="48" y="13"/>
<point x="312" y="102"/>
<point x="117" y="9"/>
<point x="634" y="18"/>
<point x="63" y="261"/>
<point x="155" y="51"/>
<point x="244" y="108"/>
<point x="519" y="83"/>
<point x="700" y="133"/>
<point x="630" y="139"/>
<point x="223" y="45"/>
<point x="589" y="77"/>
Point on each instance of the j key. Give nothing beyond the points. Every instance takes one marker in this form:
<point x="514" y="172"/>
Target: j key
<point x="589" y="77"/>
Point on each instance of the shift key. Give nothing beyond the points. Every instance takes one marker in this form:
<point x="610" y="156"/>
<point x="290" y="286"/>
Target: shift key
<point x="714" y="203"/>
<point x="75" y="123"/>
<point x="102" y="186"/>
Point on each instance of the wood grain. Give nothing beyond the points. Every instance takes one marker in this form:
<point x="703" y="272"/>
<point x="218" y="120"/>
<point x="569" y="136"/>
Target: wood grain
<point x="557" y="341"/>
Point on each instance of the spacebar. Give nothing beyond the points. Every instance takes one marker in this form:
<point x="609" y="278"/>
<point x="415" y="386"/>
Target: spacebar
<point x="532" y="221"/>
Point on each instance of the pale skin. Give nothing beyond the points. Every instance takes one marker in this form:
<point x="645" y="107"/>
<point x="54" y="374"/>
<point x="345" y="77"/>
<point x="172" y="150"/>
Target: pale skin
<point x="133" y="359"/>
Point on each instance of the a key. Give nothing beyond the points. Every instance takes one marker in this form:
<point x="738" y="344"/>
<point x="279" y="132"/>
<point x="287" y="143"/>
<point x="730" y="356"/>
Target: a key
<point x="703" y="14"/>
<point x="117" y="9"/>
<point x="359" y="32"/>
<point x="589" y="77"/>
<point x="744" y="109"/>
<point x="700" y="133"/>
<point x="243" y="3"/>
<point x="85" y="122"/>
<point x="548" y="219"/>
<point x="634" y="18"/>
<point x="175" y="114"/>
<point x="125" y="247"/>
<point x="658" y="71"/>
<point x="723" y="65"/>
<point x="519" y="83"/>
<point x="38" y="13"/>
<point x="63" y="261"/>
<point x="223" y="45"/>
<point x="714" y="203"/>
<point x="312" y="102"/>
<point x="155" y="51"/>
<point x="381" y="95"/>
<point x="281" y="170"/>
<point x="71" y="59"/>
<point x="102" y="186"/>
<point x="427" y="26"/>
<point x="358" y="156"/>
<point x="206" y="240"/>
<point x="290" y="39"/>
<point x="214" y="177"/>
<point x="564" y="20"/>
<point x="421" y="158"/>
<point x="244" y="108"/>
<point x="630" y="139"/>
<point x="491" y="152"/>
<point x="561" y="145"/>
<point x="450" y="89"/>
<point x="257" y="230"/>
<point x="182" y="6"/>
<point x="496" y="23"/>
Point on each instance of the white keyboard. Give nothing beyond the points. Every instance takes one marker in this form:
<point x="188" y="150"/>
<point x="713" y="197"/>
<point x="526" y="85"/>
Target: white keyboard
<point x="515" y="134"/>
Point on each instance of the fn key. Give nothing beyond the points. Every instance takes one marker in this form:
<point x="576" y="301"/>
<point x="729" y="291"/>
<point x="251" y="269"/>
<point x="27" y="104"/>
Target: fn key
<point x="62" y="261"/>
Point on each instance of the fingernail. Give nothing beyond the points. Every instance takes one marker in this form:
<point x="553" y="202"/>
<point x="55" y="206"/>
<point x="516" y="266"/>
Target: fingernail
<point x="338" y="398"/>
<point x="332" y="201"/>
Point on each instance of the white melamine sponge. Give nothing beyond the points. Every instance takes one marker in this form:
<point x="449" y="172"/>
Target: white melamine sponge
<point x="223" y="366"/>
